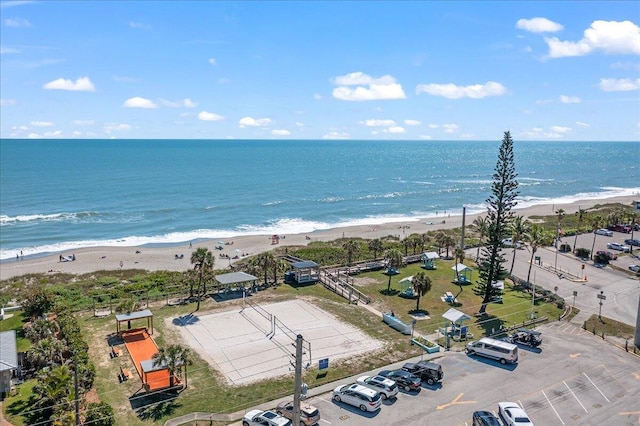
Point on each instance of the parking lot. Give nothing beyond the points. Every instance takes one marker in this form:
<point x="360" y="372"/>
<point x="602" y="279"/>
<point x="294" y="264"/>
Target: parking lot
<point x="573" y="379"/>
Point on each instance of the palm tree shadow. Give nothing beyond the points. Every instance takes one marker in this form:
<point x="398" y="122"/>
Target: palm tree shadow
<point x="157" y="406"/>
<point x="391" y="292"/>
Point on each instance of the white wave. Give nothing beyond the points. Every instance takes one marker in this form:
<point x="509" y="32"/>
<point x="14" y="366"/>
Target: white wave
<point x="607" y="192"/>
<point x="272" y="203"/>
<point x="4" y="219"/>
<point x="331" y="200"/>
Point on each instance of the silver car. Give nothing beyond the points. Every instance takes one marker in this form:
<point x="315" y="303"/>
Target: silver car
<point x="619" y="247"/>
<point x="386" y="387"/>
<point x="357" y="395"/>
<point x="605" y="232"/>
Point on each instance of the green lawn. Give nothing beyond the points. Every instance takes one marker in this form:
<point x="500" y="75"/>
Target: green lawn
<point x="15" y="323"/>
<point x="209" y="392"/>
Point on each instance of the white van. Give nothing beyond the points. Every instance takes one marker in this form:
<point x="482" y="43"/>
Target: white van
<point x="492" y="348"/>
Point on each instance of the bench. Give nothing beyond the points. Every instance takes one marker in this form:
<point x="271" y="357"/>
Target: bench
<point x="116" y="351"/>
<point x="125" y="374"/>
<point x="396" y="323"/>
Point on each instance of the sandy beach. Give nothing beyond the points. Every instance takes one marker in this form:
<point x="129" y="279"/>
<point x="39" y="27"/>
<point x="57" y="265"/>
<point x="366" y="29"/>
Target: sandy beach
<point x="177" y="257"/>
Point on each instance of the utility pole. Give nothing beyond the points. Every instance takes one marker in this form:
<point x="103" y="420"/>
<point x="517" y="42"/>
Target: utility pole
<point x="464" y="215"/>
<point x="75" y="387"/>
<point x="297" y="387"/>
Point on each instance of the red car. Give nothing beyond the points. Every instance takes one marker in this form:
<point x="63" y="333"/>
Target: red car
<point x="610" y="256"/>
<point x="621" y="228"/>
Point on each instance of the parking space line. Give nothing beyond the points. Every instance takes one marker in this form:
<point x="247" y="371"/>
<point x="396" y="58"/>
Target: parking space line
<point x="326" y="421"/>
<point x="552" y="407"/>
<point x="594" y="385"/>
<point x="574" y="395"/>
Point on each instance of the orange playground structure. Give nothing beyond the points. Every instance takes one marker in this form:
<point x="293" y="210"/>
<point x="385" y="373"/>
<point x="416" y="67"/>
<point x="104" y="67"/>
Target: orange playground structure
<point x="142" y="348"/>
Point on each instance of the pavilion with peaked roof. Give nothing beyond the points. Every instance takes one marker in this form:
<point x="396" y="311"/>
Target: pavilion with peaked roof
<point x="235" y="280"/>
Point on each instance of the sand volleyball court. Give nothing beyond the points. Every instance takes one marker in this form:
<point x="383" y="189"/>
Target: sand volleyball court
<point x="256" y="342"/>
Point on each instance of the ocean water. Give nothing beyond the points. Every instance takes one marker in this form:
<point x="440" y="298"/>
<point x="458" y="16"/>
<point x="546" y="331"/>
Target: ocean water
<point x="67" y="194"/>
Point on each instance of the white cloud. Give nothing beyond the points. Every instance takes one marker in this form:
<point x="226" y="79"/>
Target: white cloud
<point x="412" y="122"/>
<point x="116" y="127"/>
<point x="609" y="37"/>
<point x="253" y="122"/>
<point x="138" y="102"/>
<point x="42" y="124"/>
<point x="17" y="22"/>
<point x="4" y="50"/>
<point x="299" y="124"/>
<point x="53" y="134"/>
<point x="34" y="136"/>
<point x="434" y="126"/>
<point x="581" y="124"/>
<point x="538" y="133"/>
<point x="209" y="116"/>
<point x="13" y="3"/>
<point x="187" y="103"/>
<point x="378" y="123"/>
<point x="317" y="96"/>
<point x="619" y="85"/>
<point x="368" y="88"/>
<point x="627" y="66"/>
<point x="83" y="84"/>
<point x="560" y="129"/>
<point x="452" y="91"/>
<point x="450" y="128"/>
<point x="212" y="61"/>
<point x="570" y="99"/>
<point x="336" y="135"/>
<point x="83" y="122"/>
<point x="394" y="130"/>
<point x="139" y="25"/>
<point x="7" y="102"/>
<point x="280" y="132"/>
<point x="538" y="25"/>
<point x="426" y="137"/>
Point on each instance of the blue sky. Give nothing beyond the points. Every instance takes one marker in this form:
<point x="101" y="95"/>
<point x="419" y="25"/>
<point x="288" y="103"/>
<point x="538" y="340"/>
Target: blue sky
<point x="545" y="70"/>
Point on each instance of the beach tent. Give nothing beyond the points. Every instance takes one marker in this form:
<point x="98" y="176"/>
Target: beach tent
<point x="461" y="272"/>
<point x="406" y="287"/>
<point x="429" y="259"/>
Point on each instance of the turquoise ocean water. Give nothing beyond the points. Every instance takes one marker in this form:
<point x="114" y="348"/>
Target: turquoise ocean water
<point x="66" y="194"/>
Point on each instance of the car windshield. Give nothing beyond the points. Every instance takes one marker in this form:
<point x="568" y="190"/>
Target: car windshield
<point x="310" y="412"/>
<point x="522" y="420"/>
<point x="269" y="415"/>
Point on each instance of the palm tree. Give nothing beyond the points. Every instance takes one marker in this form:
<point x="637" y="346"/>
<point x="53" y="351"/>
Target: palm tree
<point x="560" y="215"/>
<point x="421" y="284"/>
<point x="448" y="241"/>
<point x="459" y="255"/>
<point x="518" y="228"/>
<point x="596" y="221"/>
<point x="406" y="243"/>
<point x="424" y="240"/>
<point x="394" y="260"/>
<point x="47" y="351"/>
<point x="581" y="215"/>
<point x="174" y="358"/>
<point x="41" y="329"/>
<point x="536" y="237"/>
<point x="481" y="226"/>
<point x="440" y="237"/>
<point x="278" y="267"/>
<point x="53" y="388"/>
<point x="632" y="217"/>
<point x="202" y="261"/>
<point x="350" y="247"/>
<point x="376" y="247"/>
<point x="264" y="262"/>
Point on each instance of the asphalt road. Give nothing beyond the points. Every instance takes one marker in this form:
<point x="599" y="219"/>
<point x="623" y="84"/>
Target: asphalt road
<point x="621" y="289"/>
<point x="574" y="379"/>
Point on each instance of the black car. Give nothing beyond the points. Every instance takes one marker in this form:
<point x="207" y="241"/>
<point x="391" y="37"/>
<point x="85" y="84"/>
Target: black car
<point x="633" y="242"/>
<point x="485" y="418"/>
<point x="429" y="372"/>
<point x="403" y="379"/>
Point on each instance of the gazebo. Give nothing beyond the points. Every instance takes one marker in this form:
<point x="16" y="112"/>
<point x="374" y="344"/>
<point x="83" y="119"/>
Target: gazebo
<point x="406" y="287"/>
<point x="132" y="316"/>
<point x="429" y="259"/>
<point x="234" y="279"/>
<point x="453" y="324"/>
<point x="461" y="272"/>
<point x="306" y="271"/>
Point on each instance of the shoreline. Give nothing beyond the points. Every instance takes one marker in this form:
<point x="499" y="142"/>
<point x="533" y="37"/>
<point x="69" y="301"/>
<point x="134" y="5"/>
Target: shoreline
<point x="176" y="257"/>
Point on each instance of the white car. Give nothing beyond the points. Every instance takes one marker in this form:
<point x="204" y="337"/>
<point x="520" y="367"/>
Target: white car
<point x="604" y="232"/>
<point x="386" y="387"/>
<point x="619" y="247"/>
<point x="264" y="418"/>
<point x="508" y="242"/>
<point x="357" y="395"/>
<point x="513" y="415"/>
<point x="634" y="268"/>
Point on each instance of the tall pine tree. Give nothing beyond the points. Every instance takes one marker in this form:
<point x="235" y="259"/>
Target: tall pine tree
<point x="499" y="215"/>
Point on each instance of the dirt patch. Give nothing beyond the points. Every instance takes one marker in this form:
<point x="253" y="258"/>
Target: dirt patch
<point x="365" y="281"/>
